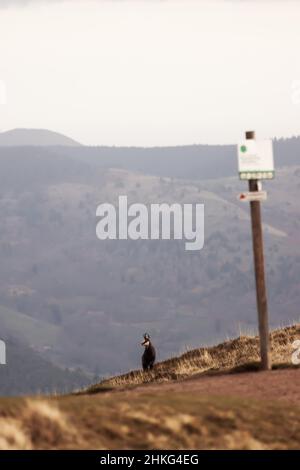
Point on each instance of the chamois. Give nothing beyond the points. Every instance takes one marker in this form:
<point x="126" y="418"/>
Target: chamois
<point x="148" y="357"/>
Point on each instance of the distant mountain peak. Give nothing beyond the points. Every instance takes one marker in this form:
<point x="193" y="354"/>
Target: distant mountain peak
<point x="35" y="137"/>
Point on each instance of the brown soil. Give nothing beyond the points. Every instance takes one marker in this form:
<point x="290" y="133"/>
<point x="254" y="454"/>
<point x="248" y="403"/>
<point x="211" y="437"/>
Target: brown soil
<point x="257" y="410"/>
<point x="274" y="385"/>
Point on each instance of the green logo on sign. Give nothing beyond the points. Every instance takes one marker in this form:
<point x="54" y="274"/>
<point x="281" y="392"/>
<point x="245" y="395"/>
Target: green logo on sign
<point x="243" y="148"/>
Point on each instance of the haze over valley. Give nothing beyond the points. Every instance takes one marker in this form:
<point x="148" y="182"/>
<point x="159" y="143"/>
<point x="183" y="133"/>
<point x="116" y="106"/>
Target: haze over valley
<point x="69" y="296"/>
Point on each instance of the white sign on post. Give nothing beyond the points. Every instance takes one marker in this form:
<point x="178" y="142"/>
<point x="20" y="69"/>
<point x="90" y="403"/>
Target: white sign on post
<point x="253" y="196"/>
<point x="255" y="160"/>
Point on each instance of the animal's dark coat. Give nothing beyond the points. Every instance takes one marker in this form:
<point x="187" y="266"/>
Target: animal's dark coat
<point x="148" y="357"/>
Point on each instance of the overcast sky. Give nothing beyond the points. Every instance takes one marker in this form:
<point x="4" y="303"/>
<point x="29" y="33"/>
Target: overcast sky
<point x="151" y="72"/>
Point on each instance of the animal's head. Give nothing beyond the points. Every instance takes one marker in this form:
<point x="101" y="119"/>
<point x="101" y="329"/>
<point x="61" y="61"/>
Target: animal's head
<point x="146" y="342"/>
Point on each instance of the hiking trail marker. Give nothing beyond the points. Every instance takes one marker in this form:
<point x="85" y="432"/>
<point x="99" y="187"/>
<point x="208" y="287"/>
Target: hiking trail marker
<point x="255" y="162"/>
<point x="253" y="196"/>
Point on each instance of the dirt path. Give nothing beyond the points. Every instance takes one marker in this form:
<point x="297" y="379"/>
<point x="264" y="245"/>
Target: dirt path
<point x="274" y="385"/>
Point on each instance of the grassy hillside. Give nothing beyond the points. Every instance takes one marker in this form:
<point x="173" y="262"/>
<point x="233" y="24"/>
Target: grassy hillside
<point x="178" y="421"/>
<point x="237" y="355"/>
<point x="185" y="407"/>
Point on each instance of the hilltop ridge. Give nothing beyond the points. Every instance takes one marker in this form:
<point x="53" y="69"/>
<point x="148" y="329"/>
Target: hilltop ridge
<point x="35" y="137"/>
<point x="236" y="355"/>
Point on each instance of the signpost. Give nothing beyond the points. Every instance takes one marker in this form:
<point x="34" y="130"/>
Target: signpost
<point x="253" y="196"/>
<point x="255" y="160"/>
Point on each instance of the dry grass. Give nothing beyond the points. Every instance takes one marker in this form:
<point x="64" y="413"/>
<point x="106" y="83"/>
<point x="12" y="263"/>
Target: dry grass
<point x="39" y="425"/>
<point x="12" y="436"/>
<point x="181" y="419"/>
<point x="234" y="355"/>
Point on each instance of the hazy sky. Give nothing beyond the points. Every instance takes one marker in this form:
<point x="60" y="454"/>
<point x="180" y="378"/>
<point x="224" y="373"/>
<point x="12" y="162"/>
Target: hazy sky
<point x="151" y="72"/>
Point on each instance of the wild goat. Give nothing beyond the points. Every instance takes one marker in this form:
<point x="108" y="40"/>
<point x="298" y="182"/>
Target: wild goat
<point x="148" y="357"/>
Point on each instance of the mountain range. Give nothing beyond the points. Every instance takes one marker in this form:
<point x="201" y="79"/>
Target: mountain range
<point x="79" y="302"/>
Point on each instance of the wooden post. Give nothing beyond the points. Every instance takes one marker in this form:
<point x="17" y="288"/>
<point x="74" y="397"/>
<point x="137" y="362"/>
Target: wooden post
<point x="261" y="294"/>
